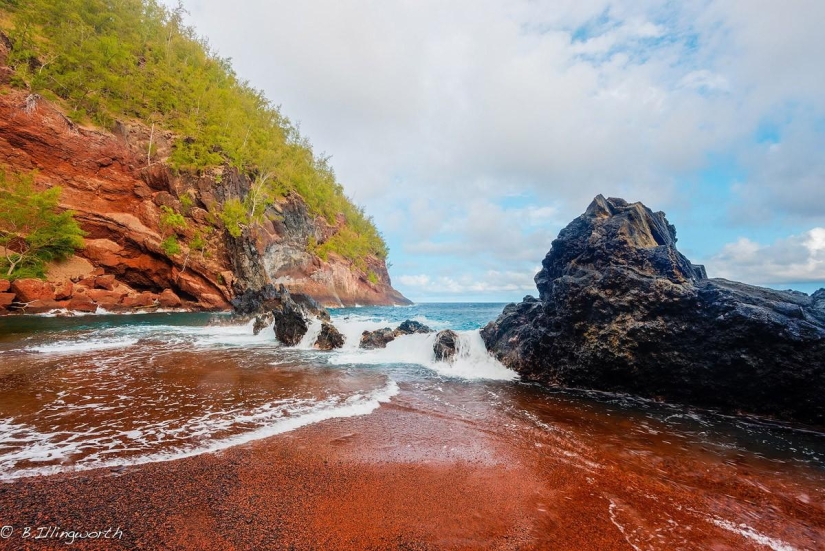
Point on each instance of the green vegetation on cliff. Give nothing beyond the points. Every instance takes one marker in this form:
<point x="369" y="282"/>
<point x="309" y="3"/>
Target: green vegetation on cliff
<point x="33" y="230"/>
<point x="134" y="59"/>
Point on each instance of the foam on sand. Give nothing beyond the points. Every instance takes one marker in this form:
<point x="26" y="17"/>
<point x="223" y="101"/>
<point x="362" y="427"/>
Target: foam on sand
<point x="44" y="447"/>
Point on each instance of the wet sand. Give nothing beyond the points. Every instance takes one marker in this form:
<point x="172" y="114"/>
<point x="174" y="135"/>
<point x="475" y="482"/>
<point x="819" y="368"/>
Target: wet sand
<point x="433" y="471"/>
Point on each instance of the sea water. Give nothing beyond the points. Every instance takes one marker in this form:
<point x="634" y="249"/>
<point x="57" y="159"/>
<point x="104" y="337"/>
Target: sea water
<point x="105" y="391"/>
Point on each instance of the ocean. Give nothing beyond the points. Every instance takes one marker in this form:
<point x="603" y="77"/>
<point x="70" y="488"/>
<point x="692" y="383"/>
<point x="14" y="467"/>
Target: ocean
<point x="79" y="393"/>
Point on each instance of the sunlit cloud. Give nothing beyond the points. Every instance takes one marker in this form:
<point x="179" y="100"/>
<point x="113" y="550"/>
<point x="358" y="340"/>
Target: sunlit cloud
<point x="438" y="114"/>
<point x="795" y="259"/>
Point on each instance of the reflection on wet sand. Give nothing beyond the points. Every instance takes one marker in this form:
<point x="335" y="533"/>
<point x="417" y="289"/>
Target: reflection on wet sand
<point x="283" y="448"/>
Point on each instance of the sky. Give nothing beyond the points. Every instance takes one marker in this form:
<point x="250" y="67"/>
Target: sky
<point x="474" y="130"/>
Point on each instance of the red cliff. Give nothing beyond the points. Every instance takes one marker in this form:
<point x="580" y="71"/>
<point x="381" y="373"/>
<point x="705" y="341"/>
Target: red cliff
<point x="117" y="193"/>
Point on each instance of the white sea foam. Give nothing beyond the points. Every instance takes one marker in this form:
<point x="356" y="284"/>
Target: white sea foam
<point x="38" y="446"/>
<point x="351" y="326"/>
<point x="45" y="447"/>
<point x="214" y="336"/>
<point x="82" y="346"/>
<point x="226" y="335"/>
<point x="746" y="531"/>
<point x="308" y="340"/>
<point x="63" y="312"/>
<point x="472" y="361"/>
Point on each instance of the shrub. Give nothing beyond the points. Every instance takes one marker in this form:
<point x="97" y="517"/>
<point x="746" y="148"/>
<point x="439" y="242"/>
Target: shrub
<point x="33" y="229"/>
<point x="234" y="217"/>
<point x="170" y="245"/>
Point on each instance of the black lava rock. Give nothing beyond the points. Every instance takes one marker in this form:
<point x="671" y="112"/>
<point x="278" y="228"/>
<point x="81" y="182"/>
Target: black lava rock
<point x="445" y="345"/>
<point x="329" y="338"/>
<point x="621" y="309"/>
<point x="262" y="321"/>
<point x="376" y="339"/>
<point x="409" y="327"/>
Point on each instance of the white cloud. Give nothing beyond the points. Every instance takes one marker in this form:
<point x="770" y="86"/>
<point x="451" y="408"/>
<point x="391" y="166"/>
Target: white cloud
<point x="437" y="112"/>
<point x="461" y="97"/>
<point x="482" y="230"/>
<point x="490" y="282"/>
<point x="796" y="259"/>
<point x="705" y="80"/>
<point x="415" y="280"/>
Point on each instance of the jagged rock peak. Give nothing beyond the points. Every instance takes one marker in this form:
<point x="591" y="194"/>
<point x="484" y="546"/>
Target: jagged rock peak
<point x="613" y="232"/>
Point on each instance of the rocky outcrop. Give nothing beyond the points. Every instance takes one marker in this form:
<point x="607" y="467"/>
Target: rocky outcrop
<point x="118" y="191"/>
<point x="290" y="323"/>
<point x="287" y="259"/>
<point x="290" y="314"/>
<point x="29" y="290"/>
<point x="329" y="338"/>
<point x="274" y="305"/>
<point x="445" y="345"/>
<point x="621" y="309"/>
<point x="84" y="294"/>
<point x="271" y="297"/>
<point x="381" y="337"/>
<point x="116" y="196"/>
<point x="409" y="327"/>
<point x="262" y="321"/>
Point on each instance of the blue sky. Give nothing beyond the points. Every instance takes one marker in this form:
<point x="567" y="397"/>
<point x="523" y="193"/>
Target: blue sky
<point x="474" y="130"/>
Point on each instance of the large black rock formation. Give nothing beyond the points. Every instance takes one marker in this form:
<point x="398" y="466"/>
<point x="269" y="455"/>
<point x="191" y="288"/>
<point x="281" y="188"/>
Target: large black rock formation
<point x="621" y="309"/>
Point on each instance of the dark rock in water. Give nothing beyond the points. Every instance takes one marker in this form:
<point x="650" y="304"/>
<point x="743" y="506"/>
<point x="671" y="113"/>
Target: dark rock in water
<point x="409" y="327"/>
<point x="376" y="339"/>
<point x="380" y="337"/>
<point x="445" y="345"/>
<point x="620" y="309"/>
<point x="310" y="306"/>
<point x="270" y="297"/>
<point x="290" y="322"/>
<point x="262" y="321"/>
<point x="289" y="312"/>
<point x="257" y="301"/>
<point x="329" y="338"/>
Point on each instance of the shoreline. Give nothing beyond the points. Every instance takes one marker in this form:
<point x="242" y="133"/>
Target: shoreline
<point x="419" y="473"/>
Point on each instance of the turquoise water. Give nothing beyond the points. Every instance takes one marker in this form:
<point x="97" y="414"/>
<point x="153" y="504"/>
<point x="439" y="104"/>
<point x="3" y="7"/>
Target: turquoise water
<point x="457" y="316"/>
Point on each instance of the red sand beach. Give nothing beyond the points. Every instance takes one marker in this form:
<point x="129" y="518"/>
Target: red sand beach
<point x="421" y="473"/>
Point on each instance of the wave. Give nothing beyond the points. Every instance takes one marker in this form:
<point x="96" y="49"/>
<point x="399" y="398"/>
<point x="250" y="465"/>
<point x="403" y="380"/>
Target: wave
<point x="100" y="311"/>
<point x="81" y="346"/>
<point x="214" y="336"/>
<point x="472" y="361"/>
<point x="308" y="340"/>
<point x="41" y="447"/>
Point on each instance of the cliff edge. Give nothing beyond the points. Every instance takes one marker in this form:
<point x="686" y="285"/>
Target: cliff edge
<point x="621" y="309"/>
<point x="118" y="195"/>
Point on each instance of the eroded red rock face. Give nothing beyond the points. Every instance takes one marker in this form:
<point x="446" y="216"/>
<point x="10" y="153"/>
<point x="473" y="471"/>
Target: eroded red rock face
<point x="28" y="290"/>
<point x="89" y="294"/>
<point x="107" y="184"/>
<point x="117" y="196"/>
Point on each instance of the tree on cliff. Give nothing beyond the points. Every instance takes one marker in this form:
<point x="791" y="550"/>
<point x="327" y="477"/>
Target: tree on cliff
<point x="33" y="230"/>
<point x="108" y="60"/>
